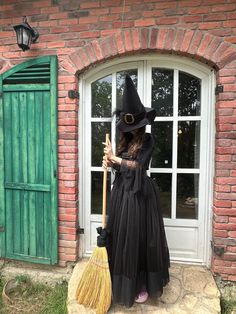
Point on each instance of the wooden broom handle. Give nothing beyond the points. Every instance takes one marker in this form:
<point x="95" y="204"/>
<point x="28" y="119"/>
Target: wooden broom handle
<point x="104" y="196"/>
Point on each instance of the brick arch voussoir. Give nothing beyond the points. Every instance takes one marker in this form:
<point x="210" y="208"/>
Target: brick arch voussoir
<point x="199" y="45"/>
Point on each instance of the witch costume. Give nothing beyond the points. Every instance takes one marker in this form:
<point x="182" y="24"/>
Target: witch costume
<point x="137" y="247"/>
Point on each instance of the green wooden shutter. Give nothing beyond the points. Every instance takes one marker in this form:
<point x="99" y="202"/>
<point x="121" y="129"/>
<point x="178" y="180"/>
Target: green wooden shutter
<point x="28" y="143"/>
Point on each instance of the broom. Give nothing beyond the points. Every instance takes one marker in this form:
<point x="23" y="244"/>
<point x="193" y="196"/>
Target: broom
<point x="94" y="289"/>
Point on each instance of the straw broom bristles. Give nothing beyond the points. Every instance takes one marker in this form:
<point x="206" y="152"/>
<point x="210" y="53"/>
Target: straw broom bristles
<point x="94" y="289"/>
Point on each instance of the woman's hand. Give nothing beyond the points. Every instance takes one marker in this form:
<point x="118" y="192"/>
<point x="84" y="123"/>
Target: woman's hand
<point x="105" y="163"/>
<point x="108" y="150"/>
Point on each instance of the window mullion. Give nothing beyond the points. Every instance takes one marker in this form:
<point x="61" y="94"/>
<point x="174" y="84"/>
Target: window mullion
<point x="113" y="119"/>
<point x="175" y="138"/>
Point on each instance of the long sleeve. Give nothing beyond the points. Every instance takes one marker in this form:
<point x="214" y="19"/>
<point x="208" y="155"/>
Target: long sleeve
<point x="133" y="170"/>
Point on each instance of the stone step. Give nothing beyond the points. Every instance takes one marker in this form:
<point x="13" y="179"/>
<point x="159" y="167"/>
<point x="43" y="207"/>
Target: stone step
<point x="192" y="289"/>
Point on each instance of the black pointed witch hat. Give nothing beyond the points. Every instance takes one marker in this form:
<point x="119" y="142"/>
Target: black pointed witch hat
<point x="133" y="115"/>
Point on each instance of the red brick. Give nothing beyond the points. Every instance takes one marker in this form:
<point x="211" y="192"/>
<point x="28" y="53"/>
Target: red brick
<point x="97" y="50"/>
<point x="120" y="9"/>
<point x="206" y="40"/>
<point x="6" y="7"/>
<point x="225" y="270"/>
<point x="127" y="40"/>
<point x="108" y="47"/>
<point x="119" y="43"/>
<point x="144" y="36"/>
<point x="56" y="44"/>
<point x="220" y="262"/>
<point x="152" y="13"/>
<point x="232" y="278"/>
<point x="224" y="127"/>
<point x="59" y="29"/>
<point x="153" y="37"/>
<point x="144" y="22"/>
<point x="223" y="203"/>
<point x="220" y="233"/>
<point x="168" y="21"/>
<point x="223" y="7"/>
<point x="195" y="42"/>
<point x="226" y="211"/>
<point x="135" y="39"/>
<point x="109" y="18"/>
<point x="187" y="40"/>
<point x="223" y="188"/>
<point x="214" y="17"/>
<point x="229" y="256"/>
<point x="170" y="35"/>
<point x="165" y="5"/>
<point x="67" y="230"/>
<point x="109" y="32"/>
<point x="231" y="248"/>
<point x="70" y="237"/>
<point x="225" y="226"/>
<point x="213" y="46"/>
<point x="89" y="4"/>
<point x="50" y="10"/>
<point x="58" y="16"/>
<point x="88" y="20"/>
<point x="42" y="3"/>
<point x="223" y="157"/>
<point x="161" y="38"/>
<point x="99" y="12"/>
<point x="225" y="150"/>
<point x="191" y="18"/>
<point x="123" y="24"/>
<point x="232" y="234"/>
<point x="224" y="219"/>
<point x="68" y="190"/>
<point x="68" y="244"/>
<point x="210" y="25"/>
<point x="232" y="219"/>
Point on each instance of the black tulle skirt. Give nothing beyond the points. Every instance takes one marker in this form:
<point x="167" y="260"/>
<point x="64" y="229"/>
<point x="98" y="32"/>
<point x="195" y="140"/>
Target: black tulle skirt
<point x="137" y="247"/>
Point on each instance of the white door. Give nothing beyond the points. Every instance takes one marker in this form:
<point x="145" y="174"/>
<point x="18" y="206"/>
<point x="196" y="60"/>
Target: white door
<point x="180" y="91"/>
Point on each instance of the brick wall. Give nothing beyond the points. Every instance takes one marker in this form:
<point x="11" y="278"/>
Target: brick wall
<point x="84" y="33"/>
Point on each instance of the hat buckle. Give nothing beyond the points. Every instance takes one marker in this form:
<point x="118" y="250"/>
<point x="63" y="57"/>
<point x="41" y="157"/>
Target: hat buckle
<point x="129" y="118"/>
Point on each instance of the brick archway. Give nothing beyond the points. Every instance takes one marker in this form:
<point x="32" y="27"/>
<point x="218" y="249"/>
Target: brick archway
<point x="221" y="56"/>
<point x="195" y="44"/>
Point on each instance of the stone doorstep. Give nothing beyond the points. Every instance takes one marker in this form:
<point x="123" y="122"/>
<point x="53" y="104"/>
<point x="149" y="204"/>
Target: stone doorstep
<point x="192" y="289"/>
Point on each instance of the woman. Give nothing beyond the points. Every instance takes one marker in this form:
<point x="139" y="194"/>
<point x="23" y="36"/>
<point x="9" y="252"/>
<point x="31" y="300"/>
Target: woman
<point x="137" y="247"/>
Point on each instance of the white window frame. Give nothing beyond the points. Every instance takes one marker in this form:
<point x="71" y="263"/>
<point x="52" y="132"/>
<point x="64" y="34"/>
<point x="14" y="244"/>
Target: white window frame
<point x="144" y="63"/>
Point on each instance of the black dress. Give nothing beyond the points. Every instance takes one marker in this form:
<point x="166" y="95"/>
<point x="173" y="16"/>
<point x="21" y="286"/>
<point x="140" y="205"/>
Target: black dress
<point x="137" y="248"/>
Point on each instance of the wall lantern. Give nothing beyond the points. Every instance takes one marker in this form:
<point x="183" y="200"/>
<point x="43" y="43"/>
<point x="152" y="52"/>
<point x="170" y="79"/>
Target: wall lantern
<point x="25" y="34"/>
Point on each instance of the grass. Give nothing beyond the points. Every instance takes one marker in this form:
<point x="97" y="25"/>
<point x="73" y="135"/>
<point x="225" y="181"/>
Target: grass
<point x="227" y="306"/>
<point x="35" y="298"/>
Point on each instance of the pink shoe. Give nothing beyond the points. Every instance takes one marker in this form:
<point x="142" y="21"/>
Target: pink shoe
<point x="142" y="297"/>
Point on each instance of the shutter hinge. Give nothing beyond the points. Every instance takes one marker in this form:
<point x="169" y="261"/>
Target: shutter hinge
<point x="2" y="229"/>
<point x="73" y="94"/>
<point x="1" y="93"/>
<point x="218" y="250"/>
<point x="219" y="89"/>
<point x="80" y="230"/>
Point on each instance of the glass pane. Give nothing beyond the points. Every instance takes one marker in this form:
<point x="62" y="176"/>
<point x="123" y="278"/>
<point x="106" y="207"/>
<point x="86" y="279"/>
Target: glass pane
<point x="188" y="144"/>
<point x="97" y="191"/>
<point x="189" y="95"/>
<point x="101" y="97"/>
<point x="163" y="180"/>
<point x="99" y="130"/>
<point x="162" y="91"/>
<point x="120" y="79"/>
<point x="162" y="153"/>
<point x="187" y="196"/>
